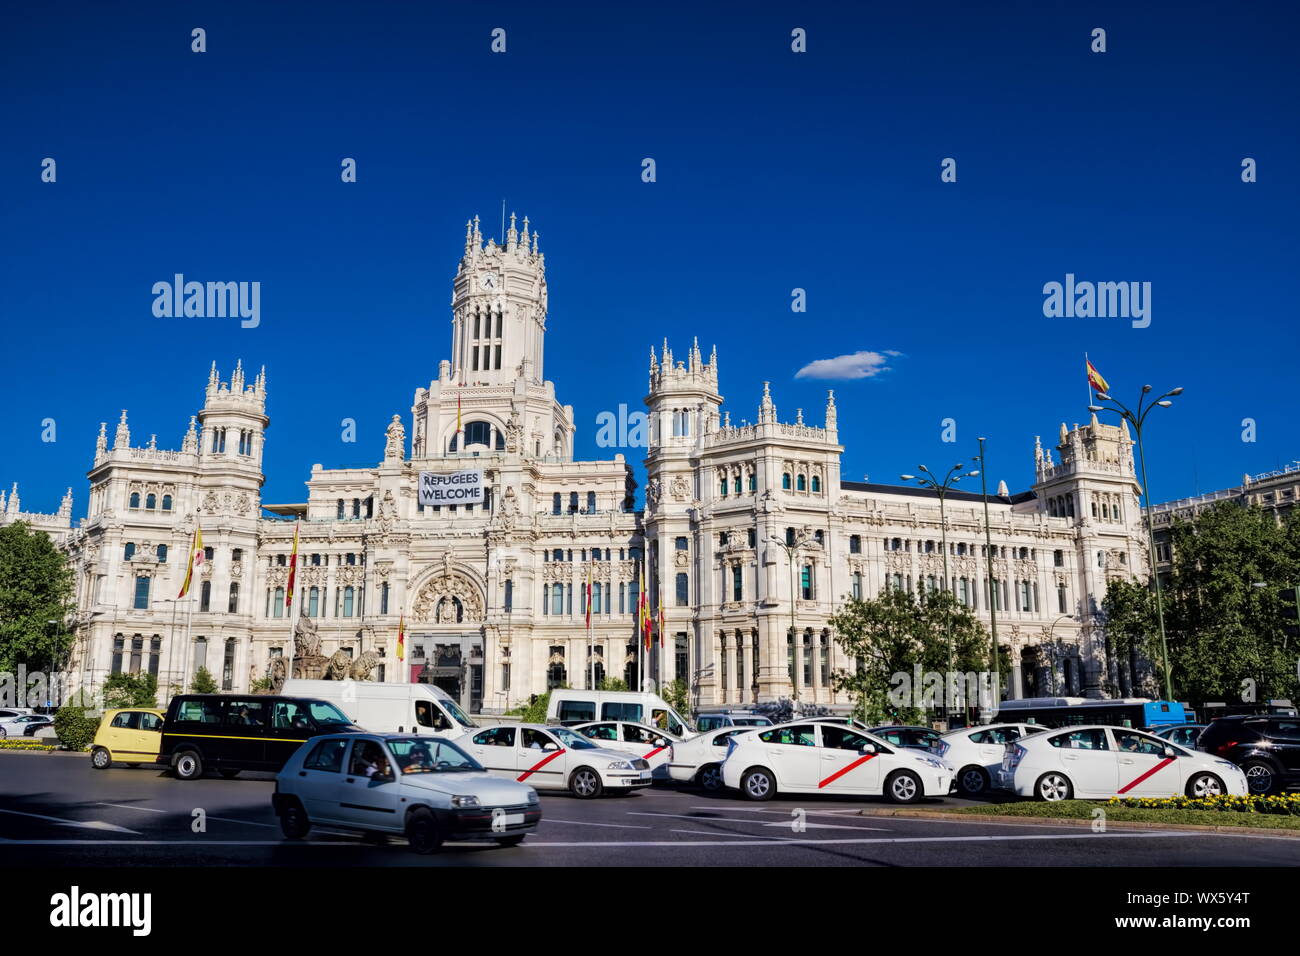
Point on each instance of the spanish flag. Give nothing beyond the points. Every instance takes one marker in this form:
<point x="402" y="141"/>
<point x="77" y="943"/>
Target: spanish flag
<point x="293" y="569"/>
<point x="661" y="618"/>
<point x="401" y="638"/>
<point x="196" y="557"/>
<point x="645" y="619"/>
<point x="589" y="596"/>
<point x="1095" y="381"/>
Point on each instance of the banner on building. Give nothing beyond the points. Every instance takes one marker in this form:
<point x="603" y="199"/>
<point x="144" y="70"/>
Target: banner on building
<point x="455" y="488"/>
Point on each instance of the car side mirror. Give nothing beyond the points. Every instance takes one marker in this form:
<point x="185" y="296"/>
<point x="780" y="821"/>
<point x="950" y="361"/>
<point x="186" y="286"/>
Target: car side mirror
<point x="867" y="749"/>
<point x="549" y="746"/>
<point x="1170" y="751"/>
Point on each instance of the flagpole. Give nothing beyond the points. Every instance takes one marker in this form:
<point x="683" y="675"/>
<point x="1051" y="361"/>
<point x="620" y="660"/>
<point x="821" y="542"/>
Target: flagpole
<point x="1087" y="367"/>
<point x="294" y="603"/>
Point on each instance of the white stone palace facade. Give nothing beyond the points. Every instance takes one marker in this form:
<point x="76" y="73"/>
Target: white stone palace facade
<point x="492" y="594"/>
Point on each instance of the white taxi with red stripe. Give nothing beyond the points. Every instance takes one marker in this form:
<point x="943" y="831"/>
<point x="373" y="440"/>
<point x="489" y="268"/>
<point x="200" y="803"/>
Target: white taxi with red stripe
<point x="555" y="758"/>
<point x="653" y="746"/>
<point x="1098" y="762"/>
<point x="808" y="757"/>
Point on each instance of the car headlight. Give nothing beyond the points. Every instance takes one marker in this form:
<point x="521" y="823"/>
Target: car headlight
<point x="618" y="765"/>
<point x="936" y="764"/>
<point x="532" y="797"/>
<point x="464" y="801"/>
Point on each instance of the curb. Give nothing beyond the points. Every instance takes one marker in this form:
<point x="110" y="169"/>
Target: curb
<point x="1072" y="822"/>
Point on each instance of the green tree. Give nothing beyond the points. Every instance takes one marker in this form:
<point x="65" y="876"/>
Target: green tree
<point x="893" y="635"/>
<point x="678" y="695"/>
<point x="131" y="690"/>
<point x="35" y="589"/>
<point x="611" y="683"/>
<point x="1222" y="613"/>
<point x="533" y="712"/>
<point x="203" y="682"/>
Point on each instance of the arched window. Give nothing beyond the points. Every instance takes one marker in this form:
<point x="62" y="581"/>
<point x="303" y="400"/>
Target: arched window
<point x="129" y="551"/>
<point x="135" y="500"/>
<point x="151" y="502"/>
<point x="722" y="486"/>
<point x="753" y="482"/>
<point x="167" y="503"/>
<point x="816" y="485"/>
<point x="785" y="481"/>
<point x="801" y="483"/>
<point x="162" y="554"/>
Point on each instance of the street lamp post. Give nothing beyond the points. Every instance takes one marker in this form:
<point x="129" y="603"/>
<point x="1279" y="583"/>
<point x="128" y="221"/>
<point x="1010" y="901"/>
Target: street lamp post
<point x="941" y="488"/>
<point x="988" y="559"/>
<point x="791" y="550"/>
<point x="1137" y="419"/>
<point x="1051" y="648"/>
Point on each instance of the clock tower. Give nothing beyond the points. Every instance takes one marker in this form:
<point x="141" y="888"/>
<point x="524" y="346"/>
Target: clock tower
<point x="490" y="395"/>
<point x="498" y="307"/>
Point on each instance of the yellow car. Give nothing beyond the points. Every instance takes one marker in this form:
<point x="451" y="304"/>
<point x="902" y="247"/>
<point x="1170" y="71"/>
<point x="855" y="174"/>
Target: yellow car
<point x="131" y="734"/>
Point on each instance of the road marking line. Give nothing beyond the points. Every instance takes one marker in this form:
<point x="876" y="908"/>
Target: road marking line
<point x="247" y="823"/>
<point x="699" y="819"/>
<point x="842" y="841"/>
<point x="769" y="810"/>
<point x="279" y="843"/>
<point x="85" y="825"/>
<point x="587" y="823"/>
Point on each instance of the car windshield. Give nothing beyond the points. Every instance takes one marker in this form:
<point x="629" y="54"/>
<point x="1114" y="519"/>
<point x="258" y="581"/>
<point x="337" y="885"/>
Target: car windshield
<point x="571" y="740"/>
<point x="326" y="714"/>
<point x="430" y="755"/>
<point x="460" y="716"/>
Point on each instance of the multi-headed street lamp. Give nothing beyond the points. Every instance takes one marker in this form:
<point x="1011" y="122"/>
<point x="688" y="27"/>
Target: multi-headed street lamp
<point x="791" y="549"/>
<point x="929" y="480"/>
<point x="1137" y="419"/>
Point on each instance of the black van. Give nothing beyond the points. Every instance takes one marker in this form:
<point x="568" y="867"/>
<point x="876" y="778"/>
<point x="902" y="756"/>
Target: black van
<point x="230" y="733"/>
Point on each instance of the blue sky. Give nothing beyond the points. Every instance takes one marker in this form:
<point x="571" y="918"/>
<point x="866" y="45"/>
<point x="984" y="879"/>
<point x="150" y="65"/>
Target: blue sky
<point x="775" y="170"/>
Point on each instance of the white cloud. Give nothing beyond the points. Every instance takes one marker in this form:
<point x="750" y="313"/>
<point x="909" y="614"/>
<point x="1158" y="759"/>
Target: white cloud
<point x="857" y="365"/>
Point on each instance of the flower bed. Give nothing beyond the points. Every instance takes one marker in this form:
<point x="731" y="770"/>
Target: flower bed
<point x="1281" y="805"/>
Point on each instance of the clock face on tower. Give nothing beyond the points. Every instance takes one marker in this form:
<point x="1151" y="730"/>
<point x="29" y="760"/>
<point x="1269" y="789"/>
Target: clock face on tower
<point x="489" y="283"/>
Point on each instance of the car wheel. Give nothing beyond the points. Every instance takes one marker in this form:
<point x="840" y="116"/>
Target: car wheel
<point x="101" y="759"/>
<point x="422" y="831"/>
<point x="1260" y="777"/>
<point x="973" y="780"/>
<point x="294" y="823"/>
<point x="758" y="784"/>
<point x="585" y="783"/>
<point x="188" y="766"/>
<point x="1053" y="787"/>
<point x="1205" y="785"/>
<point x="515" y="840"/>
<point x="710" y="777"/>
<point x="229" y="773"/>
<point x="903" y="786"/>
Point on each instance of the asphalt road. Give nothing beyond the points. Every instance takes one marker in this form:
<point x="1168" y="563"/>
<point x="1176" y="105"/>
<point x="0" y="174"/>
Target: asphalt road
<point x="56" y="810"/>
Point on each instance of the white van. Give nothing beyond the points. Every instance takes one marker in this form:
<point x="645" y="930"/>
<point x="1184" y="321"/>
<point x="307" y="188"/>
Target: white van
<point x="570" y="707"/>
<point x="384" y="708"/>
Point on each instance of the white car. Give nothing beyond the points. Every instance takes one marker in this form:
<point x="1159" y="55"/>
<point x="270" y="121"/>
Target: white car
<point x="23" y="725"/>
<point x="1099" y="762"/>
<point x="653" y="746"/>
<point x="830" y="758"/>
<point x="425" y="788"/>
<point x="699" y="760"/>
<point x="976" y="753"/>
<point x="555" y="758"/>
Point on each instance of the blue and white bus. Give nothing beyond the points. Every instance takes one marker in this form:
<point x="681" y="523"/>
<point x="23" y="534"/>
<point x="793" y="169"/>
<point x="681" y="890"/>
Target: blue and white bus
<point x="1074" y="711"/>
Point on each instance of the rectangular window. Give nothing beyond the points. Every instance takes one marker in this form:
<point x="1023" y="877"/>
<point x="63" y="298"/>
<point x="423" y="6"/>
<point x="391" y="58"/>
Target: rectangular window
<point x="857" y="585"/>
<point x="205" y="596"/>
<point x="855" y="544"/>
<point x="232" y="605"/>
<point x="683" y="590"/>
<point x="510" y="595"/>
<point x="737" y="584"/>
<point x="142" y="593"/>
<point x="806" y="582"/>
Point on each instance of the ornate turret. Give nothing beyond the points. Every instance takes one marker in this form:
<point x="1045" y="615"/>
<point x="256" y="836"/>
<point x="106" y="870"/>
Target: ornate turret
<point x="122" y="437"/>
